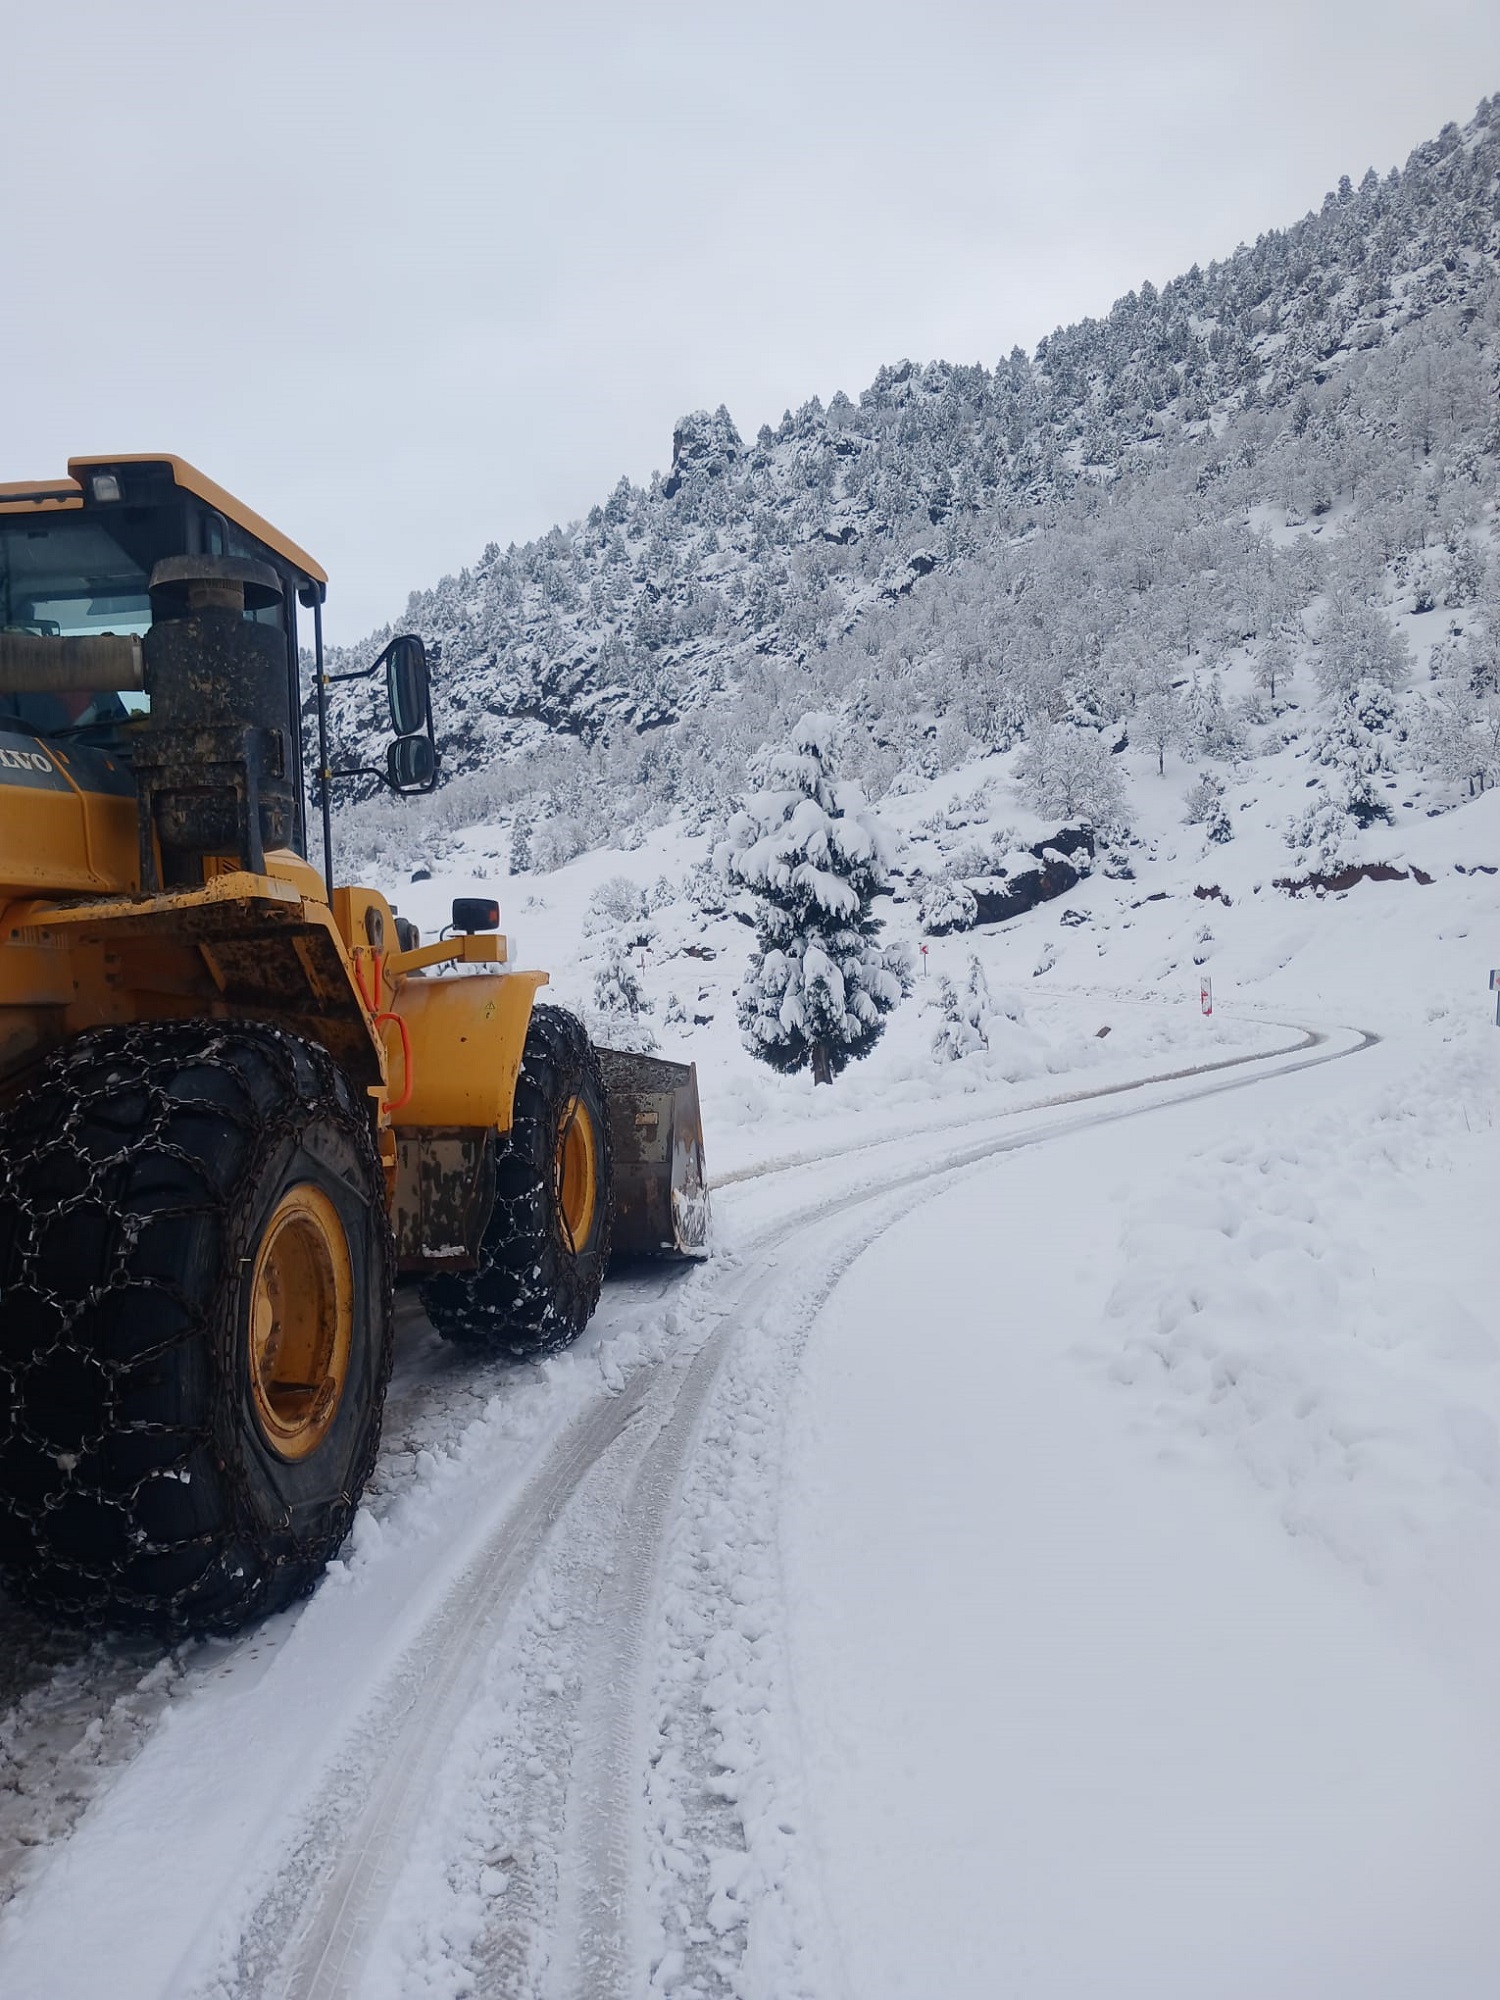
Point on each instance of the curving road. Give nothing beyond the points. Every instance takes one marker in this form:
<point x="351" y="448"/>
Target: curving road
<point x="504" y="1709"/>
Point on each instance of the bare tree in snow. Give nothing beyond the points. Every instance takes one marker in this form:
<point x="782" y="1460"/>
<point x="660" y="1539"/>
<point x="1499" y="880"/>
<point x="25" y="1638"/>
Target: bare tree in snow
<point x="1159" y="724"/>
<point x="1068" y="773"/>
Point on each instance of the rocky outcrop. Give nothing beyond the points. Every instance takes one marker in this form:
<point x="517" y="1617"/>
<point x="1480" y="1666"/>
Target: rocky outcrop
<point x="703" y="447"/>
<point x="1061" y="861"/>
<point x="1339" y="879"/>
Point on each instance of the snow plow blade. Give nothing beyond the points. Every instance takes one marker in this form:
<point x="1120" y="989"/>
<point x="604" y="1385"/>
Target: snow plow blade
<point x="656" y="1128"/>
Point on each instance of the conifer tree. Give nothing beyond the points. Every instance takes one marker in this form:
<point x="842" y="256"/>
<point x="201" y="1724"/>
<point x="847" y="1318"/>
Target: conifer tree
<point x="948" y="905"/>
<point x="1352" y="748"/>
<point x="620" y="1000"/>
<point x="1206" y="808"/>
<point x="520" y="846"/>
<point x="966" y="1015"/>
<point x="809" y="848"/>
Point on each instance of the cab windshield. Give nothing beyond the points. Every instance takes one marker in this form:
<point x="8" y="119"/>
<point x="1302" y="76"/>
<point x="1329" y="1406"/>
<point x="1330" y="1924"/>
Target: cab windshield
<point x="78" y="575"/>
<point x="70" y="579"/>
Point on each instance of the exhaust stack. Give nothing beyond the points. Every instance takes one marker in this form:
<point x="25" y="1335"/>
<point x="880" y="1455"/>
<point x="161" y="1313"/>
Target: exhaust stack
<point x="214" y="764"/>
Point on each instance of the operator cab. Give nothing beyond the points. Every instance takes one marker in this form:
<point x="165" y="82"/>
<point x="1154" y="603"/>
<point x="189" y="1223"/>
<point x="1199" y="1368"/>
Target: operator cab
<point x="76" y="558"/>
<point x="147" y="614"/>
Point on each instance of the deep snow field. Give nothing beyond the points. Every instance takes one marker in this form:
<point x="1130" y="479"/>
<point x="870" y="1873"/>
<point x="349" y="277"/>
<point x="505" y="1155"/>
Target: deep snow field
<point x="1051" y="1549"/>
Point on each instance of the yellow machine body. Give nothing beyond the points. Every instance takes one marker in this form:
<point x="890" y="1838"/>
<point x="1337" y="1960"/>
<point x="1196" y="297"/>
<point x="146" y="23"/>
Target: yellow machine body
<point x="60" y="836"/>
<point x="269" y="947"/>
<point x="435" y="1034"/>
<point x="438" y="1049"/>
<point x="277" y="1097"/>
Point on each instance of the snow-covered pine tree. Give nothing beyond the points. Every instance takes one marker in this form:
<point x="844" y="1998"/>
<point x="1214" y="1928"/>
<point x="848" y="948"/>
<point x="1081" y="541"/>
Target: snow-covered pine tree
<point x="810" y="849"/>
<point x="620" y="1000"/>
<point x="520" y="846"/>
<point x="1353" y="744"/>
<point x="1206" y="808"/>
<point x="965" y="1015"/>
<point x="954" y="1039"/>
<point x="977" y="995"/>
<point x="947" y="905"/>
<point x="1211" y="729"/>
<point x="1352" y="748"/>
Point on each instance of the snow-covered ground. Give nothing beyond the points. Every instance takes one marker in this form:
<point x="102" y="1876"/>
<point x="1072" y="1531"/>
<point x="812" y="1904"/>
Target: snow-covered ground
<point x="1143" y="1624"/>
<point x="1050" y="1549"/>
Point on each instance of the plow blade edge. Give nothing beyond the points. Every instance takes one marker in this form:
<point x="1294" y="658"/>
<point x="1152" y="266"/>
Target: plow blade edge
<point x="656" y="1127"/>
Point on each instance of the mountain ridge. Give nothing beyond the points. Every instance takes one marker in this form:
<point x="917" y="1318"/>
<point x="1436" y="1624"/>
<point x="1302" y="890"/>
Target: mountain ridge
<point x="749" y="576"/>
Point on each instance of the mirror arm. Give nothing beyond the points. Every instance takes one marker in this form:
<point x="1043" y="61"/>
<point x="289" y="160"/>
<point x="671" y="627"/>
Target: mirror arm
<point x="374" y="771"/>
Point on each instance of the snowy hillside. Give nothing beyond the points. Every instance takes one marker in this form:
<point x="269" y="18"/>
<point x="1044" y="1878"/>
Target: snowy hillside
<point x="1157" y="914"/>
<point x="1266" y="462"/>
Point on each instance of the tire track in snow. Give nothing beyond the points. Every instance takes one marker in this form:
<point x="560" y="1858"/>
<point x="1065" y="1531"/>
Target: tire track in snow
<point x="75" y="1707"/>
<point x="758" y="1170"/>
<point x="398" y="1757"/>
<point x="349" y="1851"/>
<point x="726" y="1770"/>
<point x="600" y="1860"/>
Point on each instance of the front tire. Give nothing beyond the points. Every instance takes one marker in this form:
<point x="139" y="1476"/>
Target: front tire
<point x="543" y="1257"/>
<point x="196" y="1328"/>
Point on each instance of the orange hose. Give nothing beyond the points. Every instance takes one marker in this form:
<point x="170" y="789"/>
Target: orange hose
<point x="399" y="1103"/>
<point x="380" y="1014"/>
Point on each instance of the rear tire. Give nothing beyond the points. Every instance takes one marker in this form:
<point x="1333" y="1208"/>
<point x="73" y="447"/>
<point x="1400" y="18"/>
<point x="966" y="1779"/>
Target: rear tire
<point x="545" y="1248"/>
<point x="196" y="1333"/>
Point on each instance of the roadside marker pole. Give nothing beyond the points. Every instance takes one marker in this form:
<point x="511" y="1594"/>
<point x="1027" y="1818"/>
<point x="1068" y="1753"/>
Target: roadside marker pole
<point x="1495" y="989"/>
<point x="1206" y="994"/>
<point x="924" y="965"/>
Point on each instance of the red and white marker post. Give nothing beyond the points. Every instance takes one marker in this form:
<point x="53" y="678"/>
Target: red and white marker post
<point x="1206" y="994"/>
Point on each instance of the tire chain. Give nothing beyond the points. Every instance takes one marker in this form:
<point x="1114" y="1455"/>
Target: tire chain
<point x="524" y="1214"/>
<point x="92" y="1074"/>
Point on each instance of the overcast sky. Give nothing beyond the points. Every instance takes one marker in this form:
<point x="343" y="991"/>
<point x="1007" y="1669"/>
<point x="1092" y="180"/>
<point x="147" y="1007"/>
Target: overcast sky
<point x="411" y="278"/>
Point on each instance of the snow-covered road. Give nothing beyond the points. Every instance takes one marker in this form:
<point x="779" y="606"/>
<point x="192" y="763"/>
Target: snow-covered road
<point x="989" y="1670"/>
<point x="1079" y="1716"/>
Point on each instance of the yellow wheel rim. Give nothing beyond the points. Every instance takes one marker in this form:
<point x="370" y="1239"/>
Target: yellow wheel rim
<point x="577" y="1173"/>
<point x="301" y="1322"/>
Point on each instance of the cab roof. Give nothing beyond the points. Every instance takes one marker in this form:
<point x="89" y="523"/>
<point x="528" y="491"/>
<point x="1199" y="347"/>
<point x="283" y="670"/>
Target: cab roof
<point x="56" y="496"/>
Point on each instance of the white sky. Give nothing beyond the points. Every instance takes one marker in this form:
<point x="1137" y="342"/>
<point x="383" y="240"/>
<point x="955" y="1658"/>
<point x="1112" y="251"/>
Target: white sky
<point x="410" y="278"/>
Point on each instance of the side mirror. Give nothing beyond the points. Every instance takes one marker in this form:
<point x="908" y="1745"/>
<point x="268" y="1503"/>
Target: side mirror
<point x="407" y="685"/>
<point x="411" y="764"/>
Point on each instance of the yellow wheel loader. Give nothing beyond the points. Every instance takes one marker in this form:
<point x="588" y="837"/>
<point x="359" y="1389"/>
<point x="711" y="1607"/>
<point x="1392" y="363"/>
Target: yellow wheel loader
<point x="240" y="1104"/>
